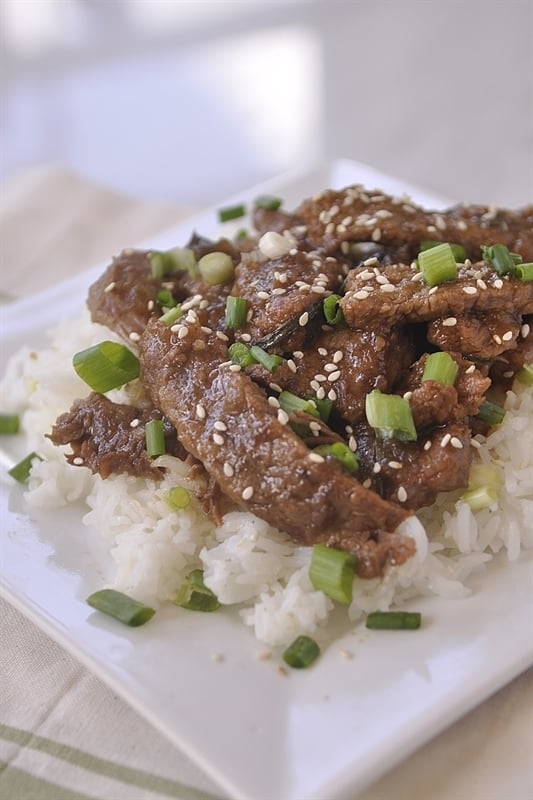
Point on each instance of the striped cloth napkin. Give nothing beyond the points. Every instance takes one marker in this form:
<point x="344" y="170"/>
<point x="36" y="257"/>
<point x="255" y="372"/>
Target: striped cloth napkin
<point x="63" y="734"/>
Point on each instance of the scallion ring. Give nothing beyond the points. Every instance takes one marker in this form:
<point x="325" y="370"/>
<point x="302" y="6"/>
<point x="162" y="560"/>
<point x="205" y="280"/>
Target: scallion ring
<point x="332" y="311"/>
<point x="437" y="264"/>
<point x="106" y="366"/>
<point x="341" y="453"/>
<point x="332" y="571"/>
<point x="194" y="595"/>
<point x="216" y="268"/>
<point x="120" y="606"/>
<point x="394" y="620"/>
<point x="236" y="311"/>
<point x="390" y="415"/>
<point x="155" y="438"/>
<point x="301" y="653"/>
<point x="267" y="360"/>
<point x="231" y="212"/>
<point x="9" y="423"/>
<point x="440" y="367"/>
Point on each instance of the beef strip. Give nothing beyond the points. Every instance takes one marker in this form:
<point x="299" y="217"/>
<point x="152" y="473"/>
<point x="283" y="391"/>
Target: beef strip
<point x="110" y="438"/>
<point x="406" y="298"/>
<point x="479" y="336"/>
<point x="413" y="473"/>
<point x="355" y="214"/>
<point x="344" y="365"/>
<point x="507" y="364"/>
<point x="224" y="419"/>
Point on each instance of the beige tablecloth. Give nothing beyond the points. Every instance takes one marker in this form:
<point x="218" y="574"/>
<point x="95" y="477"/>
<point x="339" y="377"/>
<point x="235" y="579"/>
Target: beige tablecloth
<point x="63" y="734"/>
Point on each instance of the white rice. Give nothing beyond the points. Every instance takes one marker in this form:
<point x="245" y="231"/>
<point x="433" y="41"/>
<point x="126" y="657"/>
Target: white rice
<point x="246" y="561"/>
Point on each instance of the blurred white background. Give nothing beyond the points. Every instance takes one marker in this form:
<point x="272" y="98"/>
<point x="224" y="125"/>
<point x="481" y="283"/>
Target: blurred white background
<point x="187" y="102"/>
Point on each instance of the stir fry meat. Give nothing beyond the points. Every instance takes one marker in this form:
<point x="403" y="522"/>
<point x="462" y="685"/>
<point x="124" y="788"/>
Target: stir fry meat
<point x="333" y="308"/>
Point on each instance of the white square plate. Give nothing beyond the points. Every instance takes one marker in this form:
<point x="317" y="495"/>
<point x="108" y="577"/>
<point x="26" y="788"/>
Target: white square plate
<point x="325" y="732"/>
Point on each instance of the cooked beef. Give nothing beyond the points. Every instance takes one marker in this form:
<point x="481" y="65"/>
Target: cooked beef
<point x="479" y="336"/>
<point x="355" y="214"/>
<point x="109" y="437"/>
<point x="344" y="365"/>
<point x="398" y="294"/>
<point x="224" y="419"/>
<point x="507" y="364"/>
<point x="413" y="473"/>
<point x="278" y="221"/>
<point x="281" y="290"/>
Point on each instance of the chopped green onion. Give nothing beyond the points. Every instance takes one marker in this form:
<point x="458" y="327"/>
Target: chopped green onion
<point x="332" y="572"/>
<point x="170" y="316"/>
<point x="324" y="406"/>
<point x="484" y="475"/>
<point x="21" y="471"/>
<point x="440" y="367"/>
<point x="524" y="272"/>
<point x="290" y="403"/>
<point x="194" y="595"/>
<point x="178" y="259"/>
<point x="185" y="260"/>
<point x="525" y="375"/>
<point x="161" y="264"/>
<point x="268" y="202"/>
<point x="301" y="653"/>
<point x="437" y="264"/>
<point x="268" y="361"/>
<point x="155" y="438"/>
<point x="166" y="298"/>
<point x="500" y="257"/>
<point x="240" y="235"/>
<point x="178" y="498"/>
<point x="9" y="423"/>
<point x="394" y="620"/>
<point x="240" y="354"/>
<point x="390" y="415"/>
<point x="490" y="413"/>
<point x="231" y="212"/>
<point x="332" y="310"/>
<point x="459" y="253"/>
<point x="342" y="453"/>
<point x="118" y="605"/>
<point x="481" y="497"/>
<point x="106" y="366"/>
<point x="216" y="268"/>
<point x="236" y="311"/>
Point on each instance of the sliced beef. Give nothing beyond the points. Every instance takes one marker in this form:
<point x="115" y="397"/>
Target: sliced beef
<point x="413" y="473"/>
<point x="479" y="336"/>
<point x="398" y="294"/>
<point x="224" y="419"/>
<point x="110" y="438"/>
<point x="355" y="214"/>
<point x="344" y="365"/>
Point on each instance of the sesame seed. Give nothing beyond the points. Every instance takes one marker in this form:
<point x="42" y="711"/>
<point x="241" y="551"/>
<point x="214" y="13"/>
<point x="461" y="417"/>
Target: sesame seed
<point x="338" y="355"/>
<point x="135" y="423"/>
<point x="318" y="289"/>
<point x="481" y="283"/>
<point x="218" y="438"/>
<point x="315" y="386"/>
<point x="220" y="426"/>
<point x="246" y="337"/>
<point x="427" y="445"/>
<point x="395" y="465"/>
<point x="469" y="290"/>
<point x="332" y="395"/>
<point x="402" y="494"/>
<point x="247" y="493"/>
<point x="376" y="234"/>
<point x="298" y="354"/>
<point x="334" y="376"/>
<point x="498" y="283"/>
<point x="314" y="426"/>
<point x="445" y="439"/>
<point x="110" y="287"/>
<point x="449" y="322"/>
<point x="303" y="319"/>
<point x="320" y="393"/>
<point x="507" y="336"/>
<point x="78" y="461"/>
<point x="508" y="374"/>
<point x="469" y="370"/>
<point x="330" y="367"/>
<point x="407" y="395"/>
<point x="524" y="330"/>
<point x="497" y="338"/>
<point x="367" y="483"/>
<point x="319" y="377"/>
<point x="200" y="411"/>
<point x="361" y="294"/>
<point x="370" y="262"/>
<point x="322" y="351"/>
<point x="457" y="443"/>
<point x="433" y="290"/>
<point x="283" y="417"/>
<point x="263" y="295"/>
<point x="291" y="365"/>
<point x="221" y="336"/>
<point x="183" y="331"/>
<point x="229" y="472"/>
<point x="279" y="291"/>
<point x="275" y="387"/>
<point x="263" y="655"/>
<point x="352" y="444"/>
<point x="150" y="305"/>
<point x="387" y="287"/>
<point x="234" y="367"/>
<point x="273" y="401"/>
<point x="134" y="336"/>
<point x="205" y="329"/>
<point x="376" y="468"/>
<point x="346" y="654"/>
<point x="316" y="457"/>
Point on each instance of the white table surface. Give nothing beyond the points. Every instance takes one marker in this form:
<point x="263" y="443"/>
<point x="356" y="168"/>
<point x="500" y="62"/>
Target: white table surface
<point x="63" y="734"/>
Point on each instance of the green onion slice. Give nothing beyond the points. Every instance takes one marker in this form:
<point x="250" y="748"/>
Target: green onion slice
<point x="342" y="453"/>
<point x="440" y="367"/>
<point x="9" y="423"/>
<point x="500" y="257"/>
<point x="194" y="595"/>
<point x="231" y="212"/>
<point x="178" y="259"/>
<point x="437" y="264"/>
<point x="484" y="475"/>
<point x="525" y="375"/>
<point x="394" y="620"/>
<point x="236" y="311"/>
<point x="165" y="298"/>
<point x="216" y="268"/>
<point x="240" y="235"/>
<point x="21" y="471"/>
<point x="120" y="606"/>
<point x="106" y="366"/>
<point x="290" y="403"/>
<point x="459" y="253"/>
<point x="332" y="572"/>
<point x="240" y="354"/>
<point x="481" y="497"/>
<point x="268" y="201"/>
<point x="154" y="432"/>
<point x="332" y="310"/>
<point x="524" y="272"/>
<point x="178" y="498"/>
<point x="301" y="653"/>
<point x="324" y="406"/>
<point x="390" y="416"/>
<point x="268" y="361"/>
<point x="490" y="413"/>
<point x="170" y="316"/>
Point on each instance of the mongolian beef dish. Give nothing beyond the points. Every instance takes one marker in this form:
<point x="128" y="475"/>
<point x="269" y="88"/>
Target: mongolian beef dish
<point x="326" y="371"/>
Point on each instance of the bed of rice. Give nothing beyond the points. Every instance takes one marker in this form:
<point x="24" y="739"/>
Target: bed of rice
<point x="246" y="561"/>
